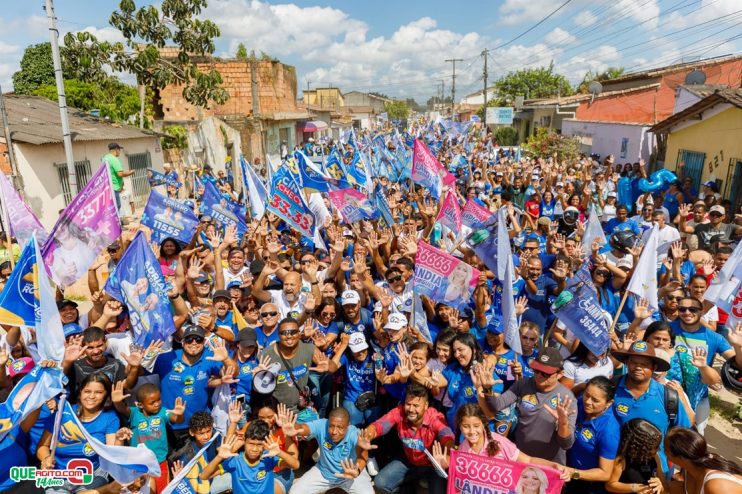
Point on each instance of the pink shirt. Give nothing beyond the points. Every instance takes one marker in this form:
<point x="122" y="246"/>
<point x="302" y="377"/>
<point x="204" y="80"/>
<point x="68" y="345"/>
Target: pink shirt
<point x="507" y="451"/>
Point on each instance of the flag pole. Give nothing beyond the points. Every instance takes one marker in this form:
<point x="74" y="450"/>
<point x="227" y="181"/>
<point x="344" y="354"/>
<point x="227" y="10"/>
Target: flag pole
<point x="620" y="308"/>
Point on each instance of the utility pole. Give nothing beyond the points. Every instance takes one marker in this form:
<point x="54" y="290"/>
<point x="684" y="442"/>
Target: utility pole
<point x="443" y="92"/>
<point x="15" y="178"/>
<point x="62" y="99"/>
<point x="485" y="54"/>
<point x="453" y="81"/>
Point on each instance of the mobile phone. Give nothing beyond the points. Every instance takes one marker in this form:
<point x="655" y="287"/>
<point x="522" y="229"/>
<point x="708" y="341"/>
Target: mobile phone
<point x="240" y="399"/>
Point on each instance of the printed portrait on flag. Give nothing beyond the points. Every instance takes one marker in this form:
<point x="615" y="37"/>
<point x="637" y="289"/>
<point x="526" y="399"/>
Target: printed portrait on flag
<point x="442" y="277"/>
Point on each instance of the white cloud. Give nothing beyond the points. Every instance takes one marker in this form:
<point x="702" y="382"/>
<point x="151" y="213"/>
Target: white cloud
<point x="599" y="60"/>
<point x="108" y="33"/>
<point x="585" y="19"/>
<point x="6" y="49"/>
<point x="521" y="11"/>
<point x="641" y="11"/>
<point x="559" y="36"/>
<point x="6" y="74"/>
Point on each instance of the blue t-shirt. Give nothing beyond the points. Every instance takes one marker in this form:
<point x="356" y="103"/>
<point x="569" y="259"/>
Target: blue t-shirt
<point x="256" y="478"/>
<point x="391" y="361"/>
<point x="332" y="453"/>
<point x="365" y="325"/>
<point x="228" y="322"/>
<point x="359" y="376"/>
<point x="12" y="454"/>
<point x="461" y="389"/>
<point x="525" y="363"/>
<point x="178" y="379"/>
<point x="150" y="430"/>
<point x="504" y="368"/>
<point x="264" y="341"/>
<point x="71" y="444"/>
<point x="711" y="341"/>
<point x="538" y="310"/>
<point x="594" y="439"/>
<point x="615" y="225"/>
<point x="245" y="376"/>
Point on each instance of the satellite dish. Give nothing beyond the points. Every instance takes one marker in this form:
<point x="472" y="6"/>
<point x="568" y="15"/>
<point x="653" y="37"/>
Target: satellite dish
<point x="695" y="77"/>
<point x="595" y="88"/>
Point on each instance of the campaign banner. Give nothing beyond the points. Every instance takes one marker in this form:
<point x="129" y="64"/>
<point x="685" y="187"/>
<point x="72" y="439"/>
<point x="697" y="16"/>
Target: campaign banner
<point x="168" y="218"/>
<point x="383" y="206"/>
<point x="156" y="178"/>
<point x="84" y="229"/>
<point x="475" y="216"/>
<point x="138" y="283"/>
<point x="442" y="277"/>
<point x="425" y="169"/>
<point x="221" y="209"/>
<point x="23" y="222"/>
<point x="312" y="178"/>
<point x="253" y="188"/>
<point x="469" y="473"/>
<point x="287" y="203"/>
<point x="353" y="205"/>
<point x="725" y="290"/>
<point x="450" y="213"/>
<point x="356" y="169"/>
<point x="19" y="299"/>
<point x="31" y="392"/>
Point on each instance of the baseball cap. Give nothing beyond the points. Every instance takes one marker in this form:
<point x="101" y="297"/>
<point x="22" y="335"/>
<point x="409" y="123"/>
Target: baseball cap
<point x="221" y="294"/>
<point x="495" y="325"/>
<point x="234" y="284"/>
<point x="202" y="278"/>
<point x="247" y="337"/>
<point x="498" y="174"/>
<point x="357" y="342"/>
<point x="350" y="297"/>
<point x="544" y="221"/>
<point x="624" y="262"/>
<point x="612" y="194"/>
<point x="718" y="209"/>
<point x="71" y="329"/>
<point x="113" y="146"/>
<point x="396" y="321"/>
<point x="560" y="184"/>
<point x="709" y="183"/>
<point x="194" y="330"/>
<point x="20" y="366"/>
<point x="65" y="303"/>
<point x="549" y="361"/>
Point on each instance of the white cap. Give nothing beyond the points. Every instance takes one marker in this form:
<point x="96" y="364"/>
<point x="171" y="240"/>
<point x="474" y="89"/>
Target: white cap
<point x="357" y="342"/>
<point x="560" y="184"/>
<point x="396" y="321"/>
<point x="624" y="262"/>
<point x="348" y="233"/>
<point x="612" y="194"/>
<point x="350" y="297"/>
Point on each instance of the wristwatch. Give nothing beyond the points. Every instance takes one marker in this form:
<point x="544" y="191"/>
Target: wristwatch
<point x="575" y="475"/>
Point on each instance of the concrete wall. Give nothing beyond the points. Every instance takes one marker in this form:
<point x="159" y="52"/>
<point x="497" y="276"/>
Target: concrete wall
<point x="42" y="188"/>
<point x="684" y="99"/>
<point x="608" y="138"/>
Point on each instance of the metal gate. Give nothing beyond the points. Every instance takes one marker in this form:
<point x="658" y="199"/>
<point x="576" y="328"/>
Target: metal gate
<point x="736" y="183"/>
<point x="139" y="162"/>
<point x="693" y="165"/>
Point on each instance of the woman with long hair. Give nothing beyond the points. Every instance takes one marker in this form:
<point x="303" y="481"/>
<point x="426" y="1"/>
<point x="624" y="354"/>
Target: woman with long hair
<point x="638" y="467"/>
<point x="583" y="365"/>
<point x="704" y="472"/>
<point x="532" y="481"/>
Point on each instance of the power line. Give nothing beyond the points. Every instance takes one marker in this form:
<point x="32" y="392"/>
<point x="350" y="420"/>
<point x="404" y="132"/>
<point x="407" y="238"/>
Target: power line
<point x="532" y="27"/>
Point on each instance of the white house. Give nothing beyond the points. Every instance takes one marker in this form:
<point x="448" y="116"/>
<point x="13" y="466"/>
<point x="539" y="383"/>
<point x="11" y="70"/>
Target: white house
<point x="36" y="134"/>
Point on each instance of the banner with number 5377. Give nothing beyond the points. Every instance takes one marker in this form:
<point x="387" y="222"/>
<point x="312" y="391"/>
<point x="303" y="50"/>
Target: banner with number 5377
<point x="87" y="226"/>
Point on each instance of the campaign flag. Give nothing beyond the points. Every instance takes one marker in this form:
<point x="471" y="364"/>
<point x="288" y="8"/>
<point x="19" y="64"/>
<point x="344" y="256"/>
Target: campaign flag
<point x="353" y="205"/>
<point x="643" y="282"/>
<point x="334" y="168"/>
<point x="356" y="169"/>
<point x="442" y="277"/>
<point x="725" y="290"/>
<point x="420" y="319"/>
<point x="287" y="202"/>
<point x="255" y="189"/>
<point x="312" y="179"/>
<point x="23" y="222"/>
<point x="181" y="483"/>
<point x="322" y="217"/>
<point x="168" y="218"/>
<point x="87" y="226"/>
<point x="384" y="209"/>
<point x="425" y="169"/>
<point x="507" y="305"/>
<point x="19" y="300"/>
<point x="156" y="178"/>
<point x="222" y="209"/>
<point x="450" y="213"/>
<point x="31" y="392"/>
<point x="475" y="216"/>
<point x="138" y="283"/>
<point x="593" y="230"/>
<point x="470" y="473"/>
<point x="49" y="331"/>
<point x="124" y="463"/>
<point x="578" y="308"/>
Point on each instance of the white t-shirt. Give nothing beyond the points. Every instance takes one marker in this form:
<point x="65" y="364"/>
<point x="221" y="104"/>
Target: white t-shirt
<point x="229" y="277"/>
<point x="401" y="302"/>
<point x="582" y="373"/>
<point x="284" y="307"/>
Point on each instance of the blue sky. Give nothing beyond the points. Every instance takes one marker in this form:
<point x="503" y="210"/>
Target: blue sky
<point x="399" y="48"/>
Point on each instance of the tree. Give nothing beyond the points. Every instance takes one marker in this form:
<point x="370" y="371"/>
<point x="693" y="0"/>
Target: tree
<point x="177" y="137"/>
<point x="546" y="142"/>
<point x="397" y="110"/>
<point x="146" y="31"/>
<point x="542" y="82"/>
<point x="241" y="52"/>
<point x="506" y="136"/>
<point x="607" y="74"/>
<point x="414" y="106"/>
<point x="37" y="69"/>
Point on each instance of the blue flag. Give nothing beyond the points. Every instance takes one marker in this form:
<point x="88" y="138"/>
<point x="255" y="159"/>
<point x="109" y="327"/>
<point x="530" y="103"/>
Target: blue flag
<point x="312" y="179"/>
<point x="33" y="390"/>
<point x="222" y="209"/>
<point x="169" y="218"/>
<point x="384" y="209"/>
<point x="19" y="300"/>
<point x="335" y="169"/>
<point x="158" y="178"/>
<point x="254" y="188"/>
<point x="138" y="283"/>
<point x="356" y="170"/>
<point x="287" y="202"/>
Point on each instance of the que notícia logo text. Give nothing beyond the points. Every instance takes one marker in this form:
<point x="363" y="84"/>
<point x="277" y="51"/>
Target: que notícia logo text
<point x="78" y="472"/>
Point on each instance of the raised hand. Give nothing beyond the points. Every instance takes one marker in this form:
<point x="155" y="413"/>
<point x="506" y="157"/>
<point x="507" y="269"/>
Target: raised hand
<point x="228" y="444"/>
<point x="641" y="309"/>
<point x="735" y="336"/>
<point x="350" y="470"/>
<point x="136" y="355"/>
<point x="118" y="392"/>
<point x="123" y="434"/>
<point x="235" y="412"/>
<point x="288" y="423"/>
<point x="227" y="375"/>
<point x="310" y="303"/>
<point x="3" y="355"/>
<point x="179" y="407"/>
<point x="74" y="349"/>
<point x="194" y="268"/>
<point x="405" y="365"/>
<point x="699" y="355"/>
<point x="322" y="364"/>
<point x="219" y="350"/>
<point x="364" y="443"/>
<point x="440" y="455"/>
<point x="284" y="415"/>
<point x="563" y="411"/>
<point x="386" y="298"/>
<point x="559" y="270"/>
<point x="677" y="250"/>
<point x="521" y="305"/>
<point x="176" y="467"/>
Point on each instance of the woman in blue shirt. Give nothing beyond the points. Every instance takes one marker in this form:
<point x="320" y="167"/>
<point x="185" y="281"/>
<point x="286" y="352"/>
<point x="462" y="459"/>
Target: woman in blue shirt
<point x="547" y="205"/>
<point x="590" y="460"/>
<point x="359" y="378"/>
<point x="100" y="423"/>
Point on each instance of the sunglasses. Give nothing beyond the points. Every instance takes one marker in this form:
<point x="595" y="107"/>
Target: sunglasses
<point x="394" y="279"/>
<point x="327" y="314"/>
<point x="602" y="273"/>
<point x="193" y="339"/>
<point x="289" y="332"/>
<point x="692" y="310"/>
<point x="268" y="314"/>
<point x="672" y="298"/>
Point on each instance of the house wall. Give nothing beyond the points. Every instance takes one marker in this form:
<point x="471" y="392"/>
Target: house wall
<point x="608" y="138"/>
<point x="684" y="99"/>
<point x="43" y="191"/>
<point x="356" y="98"/>
<point x="718" y="137"/>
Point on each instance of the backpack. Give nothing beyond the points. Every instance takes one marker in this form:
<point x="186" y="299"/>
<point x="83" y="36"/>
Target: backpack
<point x="672" y="399"/>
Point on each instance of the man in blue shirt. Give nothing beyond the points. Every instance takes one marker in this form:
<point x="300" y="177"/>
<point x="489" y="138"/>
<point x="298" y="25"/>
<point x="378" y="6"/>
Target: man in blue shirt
<point x="621" y="222"/>
<point x="540" y="288"/>
<point x="186" y="374"/>
<point x="342" y="455"/>
<point x="638" y="395"/>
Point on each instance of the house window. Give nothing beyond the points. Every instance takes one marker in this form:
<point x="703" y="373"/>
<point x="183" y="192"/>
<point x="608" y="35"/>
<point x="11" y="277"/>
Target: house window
<point x="82" y="170"/>
<point x="693" y="165"/>
<point x="139" y="162"/>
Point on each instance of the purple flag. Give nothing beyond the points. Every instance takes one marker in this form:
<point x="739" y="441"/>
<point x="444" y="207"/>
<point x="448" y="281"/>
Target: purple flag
<point x="23" y="223"/>
<point x="87" y="226"/>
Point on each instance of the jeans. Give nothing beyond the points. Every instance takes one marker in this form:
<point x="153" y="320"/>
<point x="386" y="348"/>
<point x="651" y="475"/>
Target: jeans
<point x="117" y="195"/>
<point x="358" y="417"/>
<point x="391" y="478"/>
<point x="286" y="478"/>
<point x="321" y="386"/>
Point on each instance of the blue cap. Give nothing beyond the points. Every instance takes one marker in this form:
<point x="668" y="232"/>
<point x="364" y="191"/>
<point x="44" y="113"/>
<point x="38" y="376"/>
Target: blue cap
<point x="71" y="329"/>
<point x="234" y="284"/>
<point x="495" y="325"/>
<point x="466" y="313"/>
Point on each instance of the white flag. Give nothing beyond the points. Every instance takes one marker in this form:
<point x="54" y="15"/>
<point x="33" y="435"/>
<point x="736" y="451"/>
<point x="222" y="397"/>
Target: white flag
<point x="49" y="332"/>
<point x="593" y="230"/>
<point x="643" y="282"/>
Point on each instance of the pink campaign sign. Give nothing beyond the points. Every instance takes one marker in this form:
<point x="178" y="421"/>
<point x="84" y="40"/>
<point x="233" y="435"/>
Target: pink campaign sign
<point x="442" y="277"/>
<point x="475" y="474"/>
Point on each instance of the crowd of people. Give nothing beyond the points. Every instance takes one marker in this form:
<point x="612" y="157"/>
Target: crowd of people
<point x="332" y="386"/>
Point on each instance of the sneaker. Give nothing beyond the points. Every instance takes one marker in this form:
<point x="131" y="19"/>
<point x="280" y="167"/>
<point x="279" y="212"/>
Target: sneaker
<point x="372" y="467"/>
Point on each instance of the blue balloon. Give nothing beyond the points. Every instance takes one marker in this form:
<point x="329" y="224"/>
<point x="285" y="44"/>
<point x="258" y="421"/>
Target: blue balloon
<point x="657" y="181"/>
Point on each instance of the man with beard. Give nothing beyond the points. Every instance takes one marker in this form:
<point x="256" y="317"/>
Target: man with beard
<point x="418" y="425"/>
<point x="289" y="300"/>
